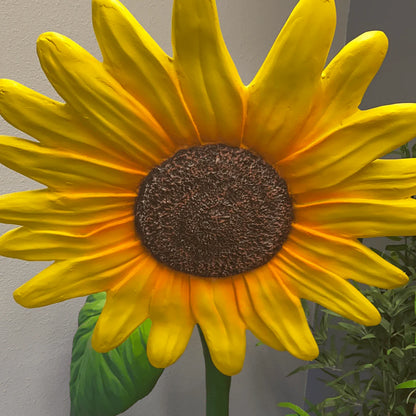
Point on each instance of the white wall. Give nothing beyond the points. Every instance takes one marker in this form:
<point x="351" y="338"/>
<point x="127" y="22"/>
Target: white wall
<point x="35" y="345"/>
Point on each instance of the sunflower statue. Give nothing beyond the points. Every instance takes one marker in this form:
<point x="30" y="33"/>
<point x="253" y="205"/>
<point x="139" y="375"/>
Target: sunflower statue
<point x="192" y="199"/>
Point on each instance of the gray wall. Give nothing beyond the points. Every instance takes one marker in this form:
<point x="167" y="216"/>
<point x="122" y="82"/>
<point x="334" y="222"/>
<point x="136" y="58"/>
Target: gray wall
<point x="396" y="81"/>
<point x="35" y="345"/>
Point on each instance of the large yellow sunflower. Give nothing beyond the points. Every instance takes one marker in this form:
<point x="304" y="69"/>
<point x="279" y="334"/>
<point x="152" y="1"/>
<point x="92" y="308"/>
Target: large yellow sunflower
<point x="191" y="198"/>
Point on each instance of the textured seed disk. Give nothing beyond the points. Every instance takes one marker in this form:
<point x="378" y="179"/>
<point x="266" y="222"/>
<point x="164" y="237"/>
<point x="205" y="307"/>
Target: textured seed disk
<point x="213" y="211"/>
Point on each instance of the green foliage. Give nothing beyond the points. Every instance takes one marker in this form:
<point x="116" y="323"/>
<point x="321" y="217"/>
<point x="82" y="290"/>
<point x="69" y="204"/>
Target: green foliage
<point x="108" y="384"/>
<point x="371" y="369"/>
<point x="373" y="361"/>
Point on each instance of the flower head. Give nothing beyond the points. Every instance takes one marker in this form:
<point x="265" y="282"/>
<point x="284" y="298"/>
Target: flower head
<point x="191" y="198"/>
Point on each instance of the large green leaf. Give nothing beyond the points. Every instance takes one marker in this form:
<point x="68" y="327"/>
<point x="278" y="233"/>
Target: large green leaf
<point x="108" y="384"/>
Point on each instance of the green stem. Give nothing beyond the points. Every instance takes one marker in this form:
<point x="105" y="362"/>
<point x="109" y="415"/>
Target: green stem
<point x="217" y="385"/>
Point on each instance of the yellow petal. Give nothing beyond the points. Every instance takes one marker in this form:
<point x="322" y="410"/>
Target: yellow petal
<point x="142" y="68"/>
<point x="214" y="306"/>
<point x="281" y="311"/>
<point x="172" y="321"/>
<point x="126" y="306"/>
<point x="78" y="277"/>
<point x="208" y="78"/>
<point x="252" y="319"/>
<point x="63" y="170"/>
<point x="381" y="179"/>
<point x="281" y="95"/>
<point x="52" y="123"/>
<point x="362" y="138"/>
<point x="344" y="82"/>
<point x="360" y="217"/>
<point x="352" y="260"/>
<point x="313" y="282"/>
<point x="51" y="210"/>
<point x="45" y="245"/>
<point x="109" y="110"/>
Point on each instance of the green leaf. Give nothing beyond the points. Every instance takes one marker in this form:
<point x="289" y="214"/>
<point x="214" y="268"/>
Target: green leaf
<point x="401" y="410"/>
<point x="396" y="247"/>
<point x="108" y="384"/>
<point x="404" y="150"/>
<point x="395" y="238"/>
<point x="410" y="384"/>
<point x="292" y="406"/>
<point x="396" y="351"/>
<point x="368" y="336"/>
<point x="413" y="150"/>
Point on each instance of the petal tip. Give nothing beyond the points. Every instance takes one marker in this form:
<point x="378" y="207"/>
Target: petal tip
<point x="51" y="40"/>
<point x="46" y="37"/>
<point x="157" y="360"/>
<point x="308" y="353"/>
<point x="399" y="280"/>
<point x="230" y="368"/>
<point x="100" y="344"/>
<point x="158" y="352"/>
<point x="377" y="34"/>
<point x="20" y="297"/>
<point x="96" y="4"/>
<point x="372" y="319"/>
<point x="376" y="39"/>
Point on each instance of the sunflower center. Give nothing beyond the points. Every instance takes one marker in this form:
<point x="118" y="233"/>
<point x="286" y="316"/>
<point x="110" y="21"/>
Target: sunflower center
<point x="213" y="211"/>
